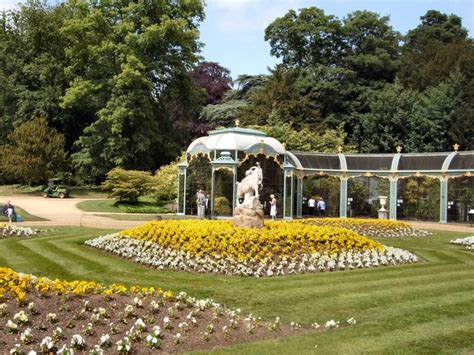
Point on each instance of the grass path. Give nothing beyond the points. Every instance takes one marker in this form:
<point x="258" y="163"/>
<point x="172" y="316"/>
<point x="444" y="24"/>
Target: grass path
<point x="422" y="308"/>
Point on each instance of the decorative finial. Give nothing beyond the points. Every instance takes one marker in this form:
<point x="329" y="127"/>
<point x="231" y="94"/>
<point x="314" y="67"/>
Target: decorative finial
<point x="237" y="123"/>
<point x="456" y="147"/>
<point x="399" y="149"/>
<point x="339" y="149"/>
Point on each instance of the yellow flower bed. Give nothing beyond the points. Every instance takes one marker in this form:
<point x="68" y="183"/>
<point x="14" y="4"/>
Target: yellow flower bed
<point x="221" y="238"/>
<point x="368" y="227"/>
<point x="18" y="285"/>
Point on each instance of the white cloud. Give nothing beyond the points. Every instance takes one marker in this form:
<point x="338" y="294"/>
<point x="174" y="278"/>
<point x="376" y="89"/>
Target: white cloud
<point x="8" y="4"/>
<point x="248" y="16"/>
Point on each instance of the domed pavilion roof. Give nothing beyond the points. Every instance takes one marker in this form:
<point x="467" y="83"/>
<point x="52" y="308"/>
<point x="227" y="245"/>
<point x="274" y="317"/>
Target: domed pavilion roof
<point x="236" y="138"/>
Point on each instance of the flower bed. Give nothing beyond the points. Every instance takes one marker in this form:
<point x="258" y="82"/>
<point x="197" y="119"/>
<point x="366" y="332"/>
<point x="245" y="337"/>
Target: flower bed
<point x="46" y="316"/>
<point x="468" y="242"/>
<point x="370" y="227"/>
<point x="223" y="240"/>
<point x="277" y="249"/>
<point x="11" y="230"/>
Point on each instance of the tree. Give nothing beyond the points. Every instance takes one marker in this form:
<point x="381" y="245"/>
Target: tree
<point x="32" y="64"/>
<point x="127" y="185"/>
<point x="304" y="139"/>
<point x="128" y="65"/>
<point x="34" y="152"/>
<point x="388" y="121"/>
<point x="307" y="37"/>
<point x="372" y="46"/>
<point x="214" y="79"/>
<point x="433" y="49"/>
<point x="233" y="103"/>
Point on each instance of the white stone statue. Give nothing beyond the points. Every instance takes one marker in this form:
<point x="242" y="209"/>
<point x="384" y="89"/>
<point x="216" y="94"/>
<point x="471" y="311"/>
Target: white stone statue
<point x="250" y="185"/>
<point x="249" y="213"/>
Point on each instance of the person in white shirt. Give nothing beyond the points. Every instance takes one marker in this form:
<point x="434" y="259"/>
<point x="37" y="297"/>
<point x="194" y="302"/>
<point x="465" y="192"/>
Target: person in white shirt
<point x="312" y="206"/>
<point x="273" y="207"/>
<point x="321" y="207"/>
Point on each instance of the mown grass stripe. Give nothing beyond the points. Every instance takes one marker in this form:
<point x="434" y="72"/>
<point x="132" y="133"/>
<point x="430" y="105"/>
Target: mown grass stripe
<point x="34" y="261"/>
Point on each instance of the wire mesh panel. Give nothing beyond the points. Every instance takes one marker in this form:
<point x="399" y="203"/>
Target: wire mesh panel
<point x="460" y="198"/>
<point x="316" y="187"/>
<point x="418" y="198"/>
<point x="223" y="193"/>
<point x="198" y="178"/>
<point x="363" y="195"/>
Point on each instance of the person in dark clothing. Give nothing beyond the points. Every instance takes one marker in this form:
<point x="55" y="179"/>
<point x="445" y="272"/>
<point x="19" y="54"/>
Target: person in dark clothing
<point x="9" y="211"/>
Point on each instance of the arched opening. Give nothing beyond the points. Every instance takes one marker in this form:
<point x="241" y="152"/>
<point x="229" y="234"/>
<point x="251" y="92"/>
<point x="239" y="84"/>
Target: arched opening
<point x="418" y="198"/>
<point x="460" y="198"/>
<point x="363" y="195"/>
<point x="272" y="179"/>
<point x="327" y="187"/>
<point x="223" y="192"/>
<point x="198" y="176"/>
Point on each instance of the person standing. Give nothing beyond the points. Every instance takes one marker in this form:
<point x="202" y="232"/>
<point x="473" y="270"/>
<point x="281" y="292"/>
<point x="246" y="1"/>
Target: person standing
<point x="9" y="211"/>
<point x="273" y="207"/>
<point x="321" y="207"/>
<point x="201" y="204"/>
<point x="312" y="206"/>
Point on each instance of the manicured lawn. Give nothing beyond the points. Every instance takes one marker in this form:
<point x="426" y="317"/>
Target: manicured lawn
<point x="111" y="206"/>
<point x="422" y="308"/>
<point x="24" y="215"/>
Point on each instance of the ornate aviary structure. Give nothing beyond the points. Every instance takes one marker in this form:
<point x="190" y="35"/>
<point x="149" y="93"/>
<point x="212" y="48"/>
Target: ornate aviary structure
<point x="436" y="186"/>
<point x="249" y="211"/>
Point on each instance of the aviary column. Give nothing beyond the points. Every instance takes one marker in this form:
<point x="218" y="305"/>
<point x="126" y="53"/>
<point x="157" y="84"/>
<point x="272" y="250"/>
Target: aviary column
<point x="343" y="197"/>
<point x="393" y="196"/>
<point x="443" y="200"/>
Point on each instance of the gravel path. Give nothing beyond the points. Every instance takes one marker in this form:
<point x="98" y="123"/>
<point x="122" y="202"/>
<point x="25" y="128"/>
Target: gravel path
<point x="63" y="212"/>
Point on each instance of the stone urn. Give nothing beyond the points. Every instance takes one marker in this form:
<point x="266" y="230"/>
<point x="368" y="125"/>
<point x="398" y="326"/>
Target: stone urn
<point x="383" y="213"/>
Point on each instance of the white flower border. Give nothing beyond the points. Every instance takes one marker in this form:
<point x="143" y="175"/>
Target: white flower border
<point x="11" y="230"/>
<point x="155" y="255"/>
<point x="468" y="242"/>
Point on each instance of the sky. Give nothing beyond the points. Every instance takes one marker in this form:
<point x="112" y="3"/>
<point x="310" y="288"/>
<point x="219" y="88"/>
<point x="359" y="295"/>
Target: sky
<point x="233" y="31"/>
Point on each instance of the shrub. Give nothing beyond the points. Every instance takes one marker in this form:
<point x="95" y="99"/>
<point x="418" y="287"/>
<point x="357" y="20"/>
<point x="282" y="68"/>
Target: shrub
<point x="127" y="185"/>
<point x="222" y="206"/>
<point x="165" y="182"/>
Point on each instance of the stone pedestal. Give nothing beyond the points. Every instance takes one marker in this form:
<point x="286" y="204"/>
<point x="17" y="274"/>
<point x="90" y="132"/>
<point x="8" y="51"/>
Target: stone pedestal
<point x="249" y="213"/>
<point x="383" y="213"/>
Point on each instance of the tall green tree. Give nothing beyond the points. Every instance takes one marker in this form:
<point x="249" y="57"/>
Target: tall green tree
<point x="32" y="64"/>
<point x="433" y="49"/>
<point x="127" y="62"/>
<point x="307" y="37"/>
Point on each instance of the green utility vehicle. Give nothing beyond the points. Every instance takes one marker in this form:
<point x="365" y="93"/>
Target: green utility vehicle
<point x="56" y="188"/>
